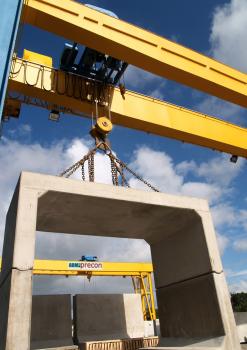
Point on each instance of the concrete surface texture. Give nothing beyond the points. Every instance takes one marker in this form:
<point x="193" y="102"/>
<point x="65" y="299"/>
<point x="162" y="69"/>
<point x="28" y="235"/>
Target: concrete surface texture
<point x="107" y="317"/>
<point x="188" y="270"/>
<point x="149" y="329"/>
<point x="241" y="321"/>
<point x="51" y="323"/>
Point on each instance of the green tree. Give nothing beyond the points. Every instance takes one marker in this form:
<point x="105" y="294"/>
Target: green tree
<point x="239" y="302"/>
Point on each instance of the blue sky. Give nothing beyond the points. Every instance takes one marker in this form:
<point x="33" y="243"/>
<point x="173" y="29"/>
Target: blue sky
<point x="213" y="27"/>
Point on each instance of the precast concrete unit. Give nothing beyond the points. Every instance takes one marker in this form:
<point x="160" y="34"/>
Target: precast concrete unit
<point x="194" y="305"/>
<point x="51" y="323"/>
<point x="107" y="317"/>
<point x="241" y="321"/>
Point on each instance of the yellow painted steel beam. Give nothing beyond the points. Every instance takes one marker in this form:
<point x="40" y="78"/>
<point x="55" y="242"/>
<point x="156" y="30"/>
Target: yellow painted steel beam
<point x="137" y="46"/>
<point x="92" y="269"/>
<point x="76" y="267"/>
<point x="70" y="267"/>
<point x="133" y="111"/>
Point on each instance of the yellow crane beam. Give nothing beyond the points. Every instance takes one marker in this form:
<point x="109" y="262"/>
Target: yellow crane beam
<point x="78" y="267"/>
<point x="75" y="267"/>
<point x="137" y="46"/>
<point x="139" y="272"/>
<point x="133" y="110"/>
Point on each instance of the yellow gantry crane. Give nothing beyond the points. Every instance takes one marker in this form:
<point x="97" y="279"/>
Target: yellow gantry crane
<point x="35" y="78"/>
<point x="140" y="273"/>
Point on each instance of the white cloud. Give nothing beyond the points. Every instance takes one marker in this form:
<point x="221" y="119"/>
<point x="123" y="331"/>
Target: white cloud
<point x="210" y="192"/>
<point x="138" y="79"/>
<point x="237" y="273"/>
<point x="240" y="286"/>
<point x="221" y="109"/>
<point x="228" y="34"/>
<point x="215" y="176"/>
<point x="158" y="91"/>
<point x="79" y="285"/>
<point x="219" y="170"/>
<point x="228" y="45"/>
<point x="77" y="149"/>
<point x="243" y="218"/>
<point x="240" y="245"/>
<point x="186" y="167"/>
<point x="224" y="214"/>
<point x="23" y="130"/>
<point x="60" y="246"/>
<point x="223" y="242"/>
<point x="158" y="168"/>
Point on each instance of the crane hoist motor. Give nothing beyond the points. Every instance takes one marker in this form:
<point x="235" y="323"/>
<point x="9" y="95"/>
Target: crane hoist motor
<point x="92" y="64"/>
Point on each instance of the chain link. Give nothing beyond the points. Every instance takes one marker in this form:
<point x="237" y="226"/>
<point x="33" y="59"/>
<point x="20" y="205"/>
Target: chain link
<point x="114" y="171"/>
<point x="83" y="172"/>
<point x="138" y="177"/>
<point x="69" y="171"/>
<point x="91" y="167"/>
<point x="117" y="168"/>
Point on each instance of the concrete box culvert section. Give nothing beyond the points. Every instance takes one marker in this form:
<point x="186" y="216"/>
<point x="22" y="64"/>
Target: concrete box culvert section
<point x="183" y="245"/>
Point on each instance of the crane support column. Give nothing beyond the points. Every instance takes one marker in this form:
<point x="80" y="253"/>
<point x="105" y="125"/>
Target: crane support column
<point x="10" y="17"/>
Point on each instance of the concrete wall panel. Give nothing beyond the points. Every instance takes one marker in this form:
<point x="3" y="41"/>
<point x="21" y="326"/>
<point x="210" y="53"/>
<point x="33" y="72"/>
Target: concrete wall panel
<point x="186" y="310"/>
<point x="241" y="321"/>
<point x="107" y="317"/>
<point x="181" y="256"/>
<point x="51" y="324"/>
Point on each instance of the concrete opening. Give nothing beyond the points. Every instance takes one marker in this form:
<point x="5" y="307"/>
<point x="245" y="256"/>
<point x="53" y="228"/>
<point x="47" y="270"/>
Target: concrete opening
<point x="94" y="315"/>
<point x="192" y="295"/>
<point x="57" y="246"/>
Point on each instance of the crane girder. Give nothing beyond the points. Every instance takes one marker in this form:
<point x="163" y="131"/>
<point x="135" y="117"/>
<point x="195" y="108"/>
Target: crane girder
<point x="139" y="272"/>
<point x="137" y="46"/>
<point x="131" y="110"/>
<point x="63" y="267"/>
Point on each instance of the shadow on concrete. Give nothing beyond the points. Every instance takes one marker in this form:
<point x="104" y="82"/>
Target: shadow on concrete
<point x="51" y="323"/>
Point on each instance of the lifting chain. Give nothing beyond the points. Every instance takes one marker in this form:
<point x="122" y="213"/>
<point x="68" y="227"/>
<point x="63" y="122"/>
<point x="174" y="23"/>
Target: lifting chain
<point x="138" y="177"/>
<point x="91" y="167"/>
<point x="72" y="169"/>
<point x="117" y="168"/>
